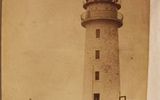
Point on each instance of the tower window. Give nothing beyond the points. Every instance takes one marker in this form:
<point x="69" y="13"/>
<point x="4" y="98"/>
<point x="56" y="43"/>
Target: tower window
<point x="96" y="96"/>
<point x="97" y="54"/>
<point x="122" y="98"/>
<point x="97" y="33"/>
<point x="97" y="75"/>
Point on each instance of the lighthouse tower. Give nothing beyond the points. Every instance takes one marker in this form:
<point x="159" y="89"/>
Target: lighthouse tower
<point x="101" y="71"/>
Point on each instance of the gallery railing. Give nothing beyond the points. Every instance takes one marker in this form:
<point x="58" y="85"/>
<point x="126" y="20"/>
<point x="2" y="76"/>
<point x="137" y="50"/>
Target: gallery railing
<point x="101" y="14"/>
<point x="113" y="1"/>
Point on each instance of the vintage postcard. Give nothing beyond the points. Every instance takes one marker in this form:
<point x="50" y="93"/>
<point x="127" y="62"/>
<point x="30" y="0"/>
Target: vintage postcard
<point x="75" y="49"/>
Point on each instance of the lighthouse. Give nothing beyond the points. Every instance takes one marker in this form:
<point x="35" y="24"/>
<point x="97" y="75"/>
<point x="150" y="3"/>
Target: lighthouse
<point x="101" y="70"/>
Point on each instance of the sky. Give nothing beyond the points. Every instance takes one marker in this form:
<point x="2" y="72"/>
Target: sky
<point x="43" y="49"/>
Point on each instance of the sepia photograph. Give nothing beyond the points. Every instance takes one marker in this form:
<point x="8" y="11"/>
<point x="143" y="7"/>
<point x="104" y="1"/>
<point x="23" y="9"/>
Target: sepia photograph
<point x="80" y="50"/>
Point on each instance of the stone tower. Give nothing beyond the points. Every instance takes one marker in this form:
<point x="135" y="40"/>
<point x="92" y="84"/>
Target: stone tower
<point x="101" y="72"/>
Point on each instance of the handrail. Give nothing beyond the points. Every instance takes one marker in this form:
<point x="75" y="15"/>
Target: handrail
<point x="86" y="15"/>
<point x="114" y="1"/>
